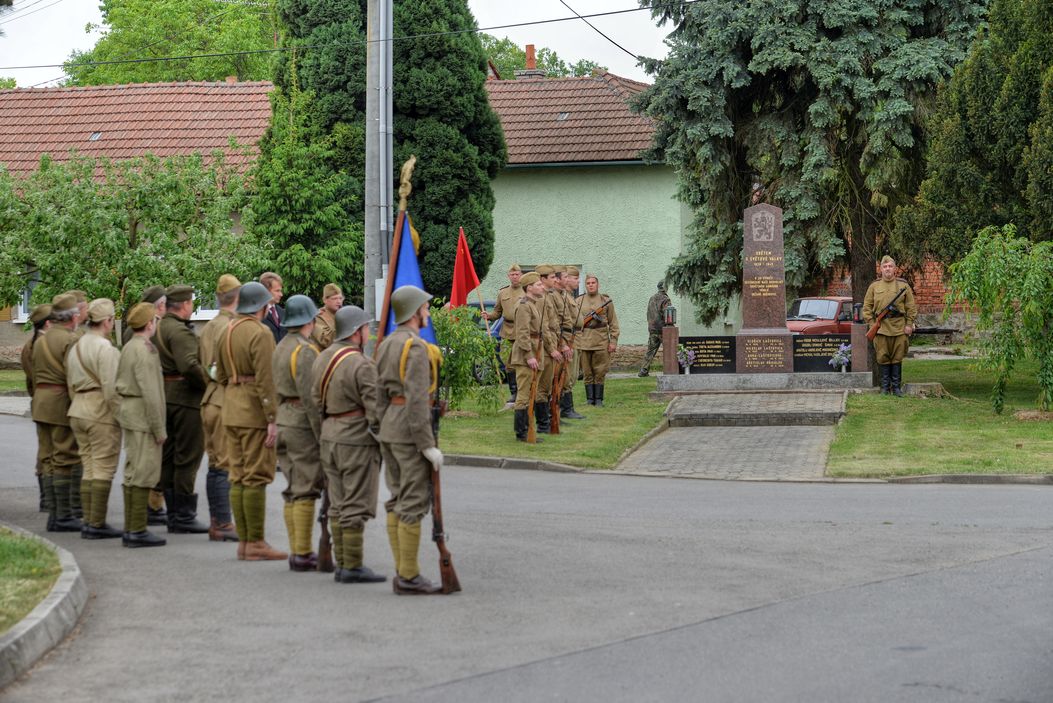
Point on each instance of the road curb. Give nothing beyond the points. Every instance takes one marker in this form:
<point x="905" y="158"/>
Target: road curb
<point x="497" y="462"/>
<point x="47" y="624"/>
<point x="978" y="479"/>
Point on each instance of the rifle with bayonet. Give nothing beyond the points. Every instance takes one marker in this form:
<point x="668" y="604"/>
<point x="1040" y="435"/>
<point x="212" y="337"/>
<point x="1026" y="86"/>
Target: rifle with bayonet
<point x="872" y="332"/>
<point x="531" y="425"/>
<point x="450" y="582"/>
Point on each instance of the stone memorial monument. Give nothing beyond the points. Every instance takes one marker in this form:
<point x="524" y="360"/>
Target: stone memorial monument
<point x="764" y="344"/>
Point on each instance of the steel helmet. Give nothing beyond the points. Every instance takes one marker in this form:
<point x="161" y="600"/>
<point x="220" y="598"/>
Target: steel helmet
<point x="348" y="319"/>
<point x="406" y="300"/>
<point x="299" y="310"/>
<point x="254" y="296"/>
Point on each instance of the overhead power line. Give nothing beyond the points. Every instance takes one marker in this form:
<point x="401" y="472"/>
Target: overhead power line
<point x="564" y="4"/>
<point x="32" y="12"/>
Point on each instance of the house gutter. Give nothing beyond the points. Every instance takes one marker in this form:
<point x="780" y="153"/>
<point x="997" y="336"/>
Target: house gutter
<point x="579" y="164"/>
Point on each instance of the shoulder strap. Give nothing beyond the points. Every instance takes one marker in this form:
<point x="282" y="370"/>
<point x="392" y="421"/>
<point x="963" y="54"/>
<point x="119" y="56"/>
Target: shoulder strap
<point x="233" y="380"/>
<point x="91" y="374"/>
<point x="434" y="359"/>
<point x="296" y="353"/>
<point x="330" y="369"/>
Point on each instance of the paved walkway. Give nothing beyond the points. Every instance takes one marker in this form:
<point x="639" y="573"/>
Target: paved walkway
<point x="14" y="405"/>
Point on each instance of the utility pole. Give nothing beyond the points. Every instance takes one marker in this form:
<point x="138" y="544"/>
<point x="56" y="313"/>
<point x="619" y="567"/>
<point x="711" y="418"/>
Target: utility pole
<point x="379" y="166"/>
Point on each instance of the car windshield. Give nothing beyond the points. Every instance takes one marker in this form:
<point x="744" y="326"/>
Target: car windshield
<point x="826" y="309"/>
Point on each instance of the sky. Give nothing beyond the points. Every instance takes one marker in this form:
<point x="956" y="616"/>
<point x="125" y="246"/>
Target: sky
<point x="41" y="32"/>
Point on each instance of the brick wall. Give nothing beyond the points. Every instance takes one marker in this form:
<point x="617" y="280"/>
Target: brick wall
<point x="926" y="282"/>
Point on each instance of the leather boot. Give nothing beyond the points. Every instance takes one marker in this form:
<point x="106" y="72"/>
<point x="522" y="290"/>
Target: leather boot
<point x="49" y="500"/>
<point x="541" y="415"/>
<point x="353" y="550"/>
<point x="155" y="511"/>
<point x="590" y="393"/>
<point x="64" y="520"/>
<point x="886" y="378"/>
<point x="897" y="380"/>
<point x="409" y="582"/>
<point x="520" y="424"/>
<point x="183" y="519"/>
<point x="95" y="527"/>
<point x="76" y="478"/>
<point x="254" y="500"/>
<point x="43" y="500"/>
<point x="566" y="407"/>
<point x="237" y="509"/>
<point x="597" y="395"/>
<point x="221" y="522"/>
<point x="137" y="534"/>
<point x="85" y="505"/>
<point x="513" y="388"/>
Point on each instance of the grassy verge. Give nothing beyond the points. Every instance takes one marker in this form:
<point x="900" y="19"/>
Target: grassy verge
<point x="28" y="570"/>
<point x="12" y="380"/>
<point x="596" y="442"/>
<point x="884" y="436"/>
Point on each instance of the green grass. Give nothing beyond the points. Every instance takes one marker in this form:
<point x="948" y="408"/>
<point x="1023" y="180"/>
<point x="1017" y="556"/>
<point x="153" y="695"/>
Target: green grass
<point x="596" y="442"/>
<point x="28" y="569"/>
<point x="12" y="380"/>
<point x="885" y="436"/>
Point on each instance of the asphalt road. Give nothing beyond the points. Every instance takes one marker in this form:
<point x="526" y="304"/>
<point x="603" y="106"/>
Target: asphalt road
<point x="587" y="588"/>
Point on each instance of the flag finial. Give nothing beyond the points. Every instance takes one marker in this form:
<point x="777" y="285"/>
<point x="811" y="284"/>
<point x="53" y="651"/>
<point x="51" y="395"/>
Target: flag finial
<point x="405" y="186"/>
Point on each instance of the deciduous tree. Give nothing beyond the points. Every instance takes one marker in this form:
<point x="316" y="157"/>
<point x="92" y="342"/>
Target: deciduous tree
<point x="508" y="57"/>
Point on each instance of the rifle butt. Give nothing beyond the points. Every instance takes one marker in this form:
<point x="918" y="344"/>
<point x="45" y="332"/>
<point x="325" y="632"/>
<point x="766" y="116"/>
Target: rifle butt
<point x="450" y="582"/>
<point x="872" y="332"/>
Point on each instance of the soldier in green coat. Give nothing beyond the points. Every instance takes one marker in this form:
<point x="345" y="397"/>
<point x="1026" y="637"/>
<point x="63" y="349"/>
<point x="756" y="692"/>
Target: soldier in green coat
<point x="505" y="307"/>
<point x="893" y="336"/>
<point x="40" y="318"/>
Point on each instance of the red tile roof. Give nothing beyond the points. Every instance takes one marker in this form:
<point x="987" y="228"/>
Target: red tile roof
<point x="567" y="120"/>
<point x="164" y="119"/>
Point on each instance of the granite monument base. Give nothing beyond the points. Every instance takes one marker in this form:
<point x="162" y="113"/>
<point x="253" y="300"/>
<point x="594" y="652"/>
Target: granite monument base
<point x="767" y="350"/>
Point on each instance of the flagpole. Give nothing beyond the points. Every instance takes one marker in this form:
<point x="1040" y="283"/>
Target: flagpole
<point x="405" y="188"/>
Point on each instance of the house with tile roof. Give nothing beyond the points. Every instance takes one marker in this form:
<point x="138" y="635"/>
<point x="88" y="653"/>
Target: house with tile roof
<point x="576" y="190"/>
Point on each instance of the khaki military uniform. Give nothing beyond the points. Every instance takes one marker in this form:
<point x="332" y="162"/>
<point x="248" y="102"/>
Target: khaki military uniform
<point x="299" y="425"/>
<point x="524" y="347"/>
<point x="350" y="454"/>
<point x="592" y="340"/>
<point x="91" y="375"/>
<point x="508" y="298"/>
<point x="212" y="400"/>
<point x="552" y="335"/>
<point x="51" y="401"/>
<point x="324" y="328"/>
<point x="570" y="321"/>
<point x="43" y="465"/>
<point x="141" y="412"/>
<point x="891" y="342"/>
<point x="185" y="383"/>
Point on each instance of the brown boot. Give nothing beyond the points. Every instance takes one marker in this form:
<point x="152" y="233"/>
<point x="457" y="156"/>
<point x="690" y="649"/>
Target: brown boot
<point x="222" y="531"/>
<point x="261" y="551"/>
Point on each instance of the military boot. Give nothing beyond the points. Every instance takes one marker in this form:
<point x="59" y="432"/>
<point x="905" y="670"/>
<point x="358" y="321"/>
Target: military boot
<point x="137" y="534"/>
<point x="897" y="380"/>
<point x="43" y="499"/>
<point x="513" y="388"/>
<point x="590" y="393"/>
<point x="566" y="407"/>
<point x="336" y="533"/>
<point x="408" y="581"/>
<point x="155" y="511"/>
<point x="886" y="378"/>
<point x="221" y="522"/>
<point x="597" y="395"/>
<point x="183" y="518"/>
<point x="303" y="558"/>
<point x="542" y="417"/>
<point x="353" y="551"/>
<point x="254" y="500"/>
<point x="76" y="491"/>
<point x="85" y="506"/>
<point x="49" y="500"/>
<point x="64" y="520"/>
<point x="237" y="508"/>
<point x="519" y="422"/>
<point x="95" y="526"/>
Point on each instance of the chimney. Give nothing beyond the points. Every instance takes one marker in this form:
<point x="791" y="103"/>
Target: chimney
<point x="232" y="80"/>
<point x="532" y="72"/>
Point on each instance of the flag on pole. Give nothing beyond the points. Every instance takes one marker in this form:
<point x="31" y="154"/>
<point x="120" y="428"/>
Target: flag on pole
<point x="464" y="278"/>
<point x="407" y="273"/>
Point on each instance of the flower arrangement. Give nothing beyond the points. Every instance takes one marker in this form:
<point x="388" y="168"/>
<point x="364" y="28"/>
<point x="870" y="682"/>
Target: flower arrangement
<point x="685" y="357"/>
<point x="842" y="357"/>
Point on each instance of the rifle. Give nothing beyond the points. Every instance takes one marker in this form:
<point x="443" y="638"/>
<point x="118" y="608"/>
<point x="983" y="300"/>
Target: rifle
<point x="561" y="378"/>
<point x="450" y="582"/>
<point x="531" y="425"/>
<point x="872" y="332"/>
<point x="593" y="314"/>
<point x="325" y="544"/>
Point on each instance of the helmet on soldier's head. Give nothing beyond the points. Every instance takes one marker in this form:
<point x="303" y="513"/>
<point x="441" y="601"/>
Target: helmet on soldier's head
<point x="348" y="319"/>
<point x="406" y="300"/>
<point x="299" y="310"/>
<point x="254" y="296"/>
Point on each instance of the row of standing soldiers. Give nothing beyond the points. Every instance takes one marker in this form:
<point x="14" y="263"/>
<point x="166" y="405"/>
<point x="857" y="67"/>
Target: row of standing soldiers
<point x="328" y="415"/>
<point x="549" y="335"/>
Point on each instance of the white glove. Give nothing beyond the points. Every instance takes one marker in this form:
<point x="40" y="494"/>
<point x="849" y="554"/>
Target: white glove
<point x="433" y="455"/>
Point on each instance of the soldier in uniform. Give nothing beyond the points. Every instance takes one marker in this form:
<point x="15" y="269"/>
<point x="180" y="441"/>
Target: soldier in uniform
<point x="217" y="482"/>
<point x="185" y="382"/>
<point x="407" y="375"/>
<point x="299" y="428"/>
<point x="505" y="307"/>
<point x="552" y="336"/>
<point x="50" y="405"/>
<point x="598" y="338"/>
<point x="569" y="291"/>
<point x="82" y="311"/>
<point x="344" y="387"/>
<point x="250" y="405"/>
<point x="893" y="337"/>
<point x="91" y="374"/>
<point x="141" y="414"/>
<point x="527" y="360"/>
<point x="325" y="323"/>
<point x="655" y="321"/>
<point x="40" y="318"/>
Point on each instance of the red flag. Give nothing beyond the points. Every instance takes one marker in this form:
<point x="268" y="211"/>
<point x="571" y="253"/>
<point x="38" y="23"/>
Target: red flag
<point x="464" y="278"/>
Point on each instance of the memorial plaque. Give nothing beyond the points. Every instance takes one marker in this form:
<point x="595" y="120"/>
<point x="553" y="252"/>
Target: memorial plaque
<point x="812" y="352"/>
<point x="763" y="344"/>
<point x="712" y="354"/>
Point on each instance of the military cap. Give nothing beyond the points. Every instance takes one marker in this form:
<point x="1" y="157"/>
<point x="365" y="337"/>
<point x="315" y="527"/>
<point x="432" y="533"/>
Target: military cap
<point x="153" y="294"/>
<point x="348" y="320"/>
<point x="227" y="283"/>
<point x="571" y="271"/>
<point x="63" y="302"/>
<point x="514" y="267"/>
<point x="100" y="309"/>
<point x="299" y="310"/>
<point x="179" y="293"/>
<point x="40" y="313"/>
<point x="529" y="278"/>
<point x="406" y="300"/>
<point x="79" y="295"/>
<point x="559" y="269"/>
<point x="140" y="315"/>
<point x="887" y="258"/>
<point x="254" y="295"/>
<point x="330" y="290"/>
<point x="545" y="270"/>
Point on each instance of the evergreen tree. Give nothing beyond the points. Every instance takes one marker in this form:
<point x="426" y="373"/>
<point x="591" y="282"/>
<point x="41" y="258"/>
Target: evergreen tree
<point x="812" y="106"/>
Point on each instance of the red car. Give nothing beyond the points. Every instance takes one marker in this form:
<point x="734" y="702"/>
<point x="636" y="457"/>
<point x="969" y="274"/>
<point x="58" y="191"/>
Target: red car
<point x="824" y="314"/>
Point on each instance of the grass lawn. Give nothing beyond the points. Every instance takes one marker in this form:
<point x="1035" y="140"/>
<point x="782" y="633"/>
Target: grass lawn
<point x="28" y="569"/>
<point x="887" y="436"/>
<point x="12" y="380"/>
<point x="596" y="442"/>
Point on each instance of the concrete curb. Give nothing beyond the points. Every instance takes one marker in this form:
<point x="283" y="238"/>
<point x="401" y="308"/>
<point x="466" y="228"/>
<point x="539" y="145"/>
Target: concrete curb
<point x="497" y="462"/>
<point x="47" y="624"/>
<point x="978" y="479"/>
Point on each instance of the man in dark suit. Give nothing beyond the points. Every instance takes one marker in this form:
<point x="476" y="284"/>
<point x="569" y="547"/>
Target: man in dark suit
<point x="275" y="314"/>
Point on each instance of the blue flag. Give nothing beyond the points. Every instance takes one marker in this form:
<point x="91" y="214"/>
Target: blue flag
<point x="407" y="273"/>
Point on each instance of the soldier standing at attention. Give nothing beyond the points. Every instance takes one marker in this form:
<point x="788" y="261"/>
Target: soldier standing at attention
<point x="141" y="414"/>
<point x="325" y="323"/>
<point x="526" y="361"/>
<point x="50" y="406"/>
<point x="505" y="307"/>
<point x="893" y="337"/>
<point x="91" y="373"/>
<point x="217" y="482"/>
<point x="185" y="382"/>
<point x="154" y="295"/>
<point x="553" y="342"/>
<point x="655" y="321"/>
<point x="344" y="388"/>
<point x="407" y="373"/>
<point x="568" y="289"/>
<point x="40" y="319"/>
<point x="250" y="405"/>
<point x="598" y="338"/>
<point x="82" y="311"/>
<point x="299" y="428"/>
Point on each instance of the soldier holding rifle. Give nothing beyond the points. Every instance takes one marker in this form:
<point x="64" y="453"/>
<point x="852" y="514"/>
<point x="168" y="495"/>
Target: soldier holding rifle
<point x="893" y="334"/>
<point x="527" y="360"/>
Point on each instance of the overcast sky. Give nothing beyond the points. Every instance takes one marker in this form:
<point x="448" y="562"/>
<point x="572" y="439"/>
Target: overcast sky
<point x="39" y="32"/>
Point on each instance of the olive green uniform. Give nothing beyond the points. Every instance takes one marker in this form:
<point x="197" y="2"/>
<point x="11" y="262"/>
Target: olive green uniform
<point x="507" y="299"/>
<point x="43" y="465"/>
<point x="891" y="342"/>
<point x="570" y="320"/>
<point x="592" y="343"/>
<point x="212" y="400"/>
<point x="524" y="347"/>
<point x="324" y="329"/>
<point x="350" y="454"/>
<point x="49" y="407"/>
<point x="404" y="408"/>
<point x="553" y="340"/>
<point x="185" y="381"/>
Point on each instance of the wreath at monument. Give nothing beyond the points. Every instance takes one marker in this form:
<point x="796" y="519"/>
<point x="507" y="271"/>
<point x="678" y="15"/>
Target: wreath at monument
<point x="842" y="357"/>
